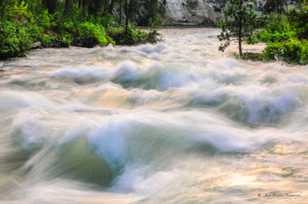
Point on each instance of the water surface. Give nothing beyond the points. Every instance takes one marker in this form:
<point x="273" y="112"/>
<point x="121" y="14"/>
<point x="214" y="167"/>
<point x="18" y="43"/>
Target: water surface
<point x="176" y="123"/>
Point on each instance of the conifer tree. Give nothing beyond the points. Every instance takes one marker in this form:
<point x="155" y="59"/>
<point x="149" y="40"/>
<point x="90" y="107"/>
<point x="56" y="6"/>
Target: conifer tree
<point x="238" y="22"/>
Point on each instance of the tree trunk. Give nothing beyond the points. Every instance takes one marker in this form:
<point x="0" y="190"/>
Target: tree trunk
<point x="97" y="7"/>
<point x="85" y="7"/>
<point x="68" y="6"/>
<point x="153" y="8"/>
<point x="3" y="5"/>
<point x="127" y="16"/>
<point x="111" y="6"/>
<point x="121" y="9"/>
<point x="240" y="28"/>
<point x="240" y="45"/>
<point x="80" y="5"/>
<point x="51" y="5"/>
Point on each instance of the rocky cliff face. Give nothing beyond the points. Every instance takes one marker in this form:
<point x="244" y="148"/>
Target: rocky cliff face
<point x="196" y="12"/>
<point x="185" y="12"/>
<point x="193" y="11"/>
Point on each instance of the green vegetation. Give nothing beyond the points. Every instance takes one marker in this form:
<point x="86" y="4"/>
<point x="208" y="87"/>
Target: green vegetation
<point x="25" y="24"/>
<point x="292" y="51"/>
<point x="132" y="36"/>
<point x="286" y="37"/>
<point x="283" y="28"/>
<point x="239" y="21"/>
<point x="14" y="39"/>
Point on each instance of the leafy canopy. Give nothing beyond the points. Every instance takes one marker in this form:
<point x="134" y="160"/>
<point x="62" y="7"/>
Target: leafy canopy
<point x="239" y="21"/>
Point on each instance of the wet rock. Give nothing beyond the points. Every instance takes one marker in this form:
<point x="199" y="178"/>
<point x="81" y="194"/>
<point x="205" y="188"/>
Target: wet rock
<point x="36" y="45"/>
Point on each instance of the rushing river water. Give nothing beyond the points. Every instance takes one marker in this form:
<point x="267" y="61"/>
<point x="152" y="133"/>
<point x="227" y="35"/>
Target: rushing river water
<point x="176" y="122"/>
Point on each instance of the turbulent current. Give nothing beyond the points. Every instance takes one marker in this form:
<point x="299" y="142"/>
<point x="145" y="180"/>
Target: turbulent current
<point x="176" y="122"/>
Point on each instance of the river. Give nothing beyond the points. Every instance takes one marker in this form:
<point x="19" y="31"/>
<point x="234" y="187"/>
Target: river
<point x="173" y="123"/>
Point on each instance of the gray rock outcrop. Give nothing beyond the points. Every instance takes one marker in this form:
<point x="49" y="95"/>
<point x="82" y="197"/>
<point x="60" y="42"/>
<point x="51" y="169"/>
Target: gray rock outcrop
<point x="193" y="11"/>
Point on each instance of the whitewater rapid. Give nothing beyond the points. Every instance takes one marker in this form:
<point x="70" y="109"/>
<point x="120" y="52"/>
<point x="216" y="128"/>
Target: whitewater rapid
<point x="177" y="122"/>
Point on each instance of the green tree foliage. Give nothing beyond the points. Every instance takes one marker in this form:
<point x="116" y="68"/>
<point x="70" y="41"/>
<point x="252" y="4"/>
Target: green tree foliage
<point x="275" y="6"/>
<point x="291" y="51"/>
<point x="15" y="25"/>
<point x="299" y="18"/>
<point x="90" y="34"/>
<point x="239" y="21"/>
<point x="61" y="23"/>
<point x="51" y="5"/>
<point x="286" y="36"/>
<point x="14" y="39"/>
<point x="281" y="25"/>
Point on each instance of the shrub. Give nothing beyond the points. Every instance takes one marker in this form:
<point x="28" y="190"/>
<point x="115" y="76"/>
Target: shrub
<point x="44" y="20"/>
<point x="292" y="51"/>
<point x="56" y="40"/>
<point x="90" y="34"/>
<point x="65" y="39"/>
<point x="18" y="11"/>
<point x="66" y="26"/>
<point x="47" y="40"/>
<point x="155" y="21"/>
<point x="266" y="36"/>
<point x="285" y="37"/>
<point x="14" y="39"/>
<point x="106" y="21"/>
<point x="278" y="23"/>
<point x="153" y="36"/>
<point x="133" y="36"/>
<point x="35" y="31"/>
<point x="277" y="29"/>
<point x="299" y="19"/>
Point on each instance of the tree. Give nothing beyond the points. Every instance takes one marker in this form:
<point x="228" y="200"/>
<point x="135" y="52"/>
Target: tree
<point x="121" y="11"/>
<point x="3" y="5"/>
<point x="239" y="21"/>
<point x="51" y="5"/>
<point x="153" y="8"/>
<point x="275" y="6"/>
<point x="126" y="16"/>
<point x="68" y="6"/>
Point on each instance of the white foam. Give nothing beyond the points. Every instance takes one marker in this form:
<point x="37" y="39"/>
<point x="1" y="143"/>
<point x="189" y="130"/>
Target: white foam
<point x="12" y="100"/>
<point x="252" y="104"/>
<point x="144" y="136"/>
<point x="153" y="49"/>
<point x="110" y="143"/>
<point x="155" y="76"/>
<point x="81" y="75"/>
<point x="126" y="71"/>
